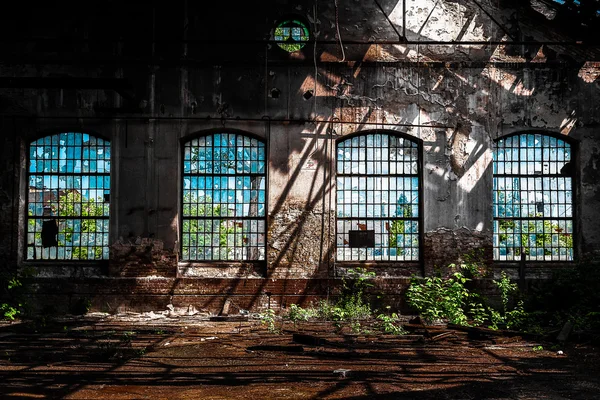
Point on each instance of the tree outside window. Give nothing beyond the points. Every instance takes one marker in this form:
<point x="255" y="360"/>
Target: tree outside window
<point x="224" y="198"/>
<point x="378" y="198"/>
<point x="533" y="198"/>
<point x="69" y="198"/>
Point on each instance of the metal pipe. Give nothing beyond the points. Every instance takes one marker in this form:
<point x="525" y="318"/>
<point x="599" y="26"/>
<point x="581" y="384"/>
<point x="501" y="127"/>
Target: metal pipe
<point x="218" y="119"/>
<point x="220" y="42"/>
<point x="237" y="63"/>
<point x="404" y="19"/>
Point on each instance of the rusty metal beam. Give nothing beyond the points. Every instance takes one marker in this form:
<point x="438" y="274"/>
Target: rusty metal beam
<point x="401" y="38"/>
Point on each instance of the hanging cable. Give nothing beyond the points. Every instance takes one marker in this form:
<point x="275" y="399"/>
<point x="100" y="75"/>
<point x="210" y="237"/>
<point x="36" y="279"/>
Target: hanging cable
<point x="315" y="30"/>
<point x="337" y="27"/>
<point x="266" y="79"/>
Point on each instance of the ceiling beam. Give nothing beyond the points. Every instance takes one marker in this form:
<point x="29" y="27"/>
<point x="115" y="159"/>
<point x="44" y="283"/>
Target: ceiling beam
<point x="120" y="85"/>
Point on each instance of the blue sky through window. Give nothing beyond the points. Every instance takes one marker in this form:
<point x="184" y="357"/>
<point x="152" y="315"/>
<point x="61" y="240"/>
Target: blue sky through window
<point x="378" y="191"/>
<point x="533" y="198"/>
<point x="69" y="182"/>
<point x="224" y="198"/>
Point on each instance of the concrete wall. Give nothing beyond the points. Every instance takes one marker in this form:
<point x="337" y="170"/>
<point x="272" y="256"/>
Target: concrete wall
<point x="188" y="75"/>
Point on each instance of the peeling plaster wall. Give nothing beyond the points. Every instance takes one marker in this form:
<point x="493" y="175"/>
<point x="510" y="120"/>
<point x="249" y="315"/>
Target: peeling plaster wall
<point x="455" y="99"/>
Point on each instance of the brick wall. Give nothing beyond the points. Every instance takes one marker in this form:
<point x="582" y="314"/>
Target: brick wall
<point x="208" y="295"/>
<point x="142" y="257"/>
<point x="444" y="246"/>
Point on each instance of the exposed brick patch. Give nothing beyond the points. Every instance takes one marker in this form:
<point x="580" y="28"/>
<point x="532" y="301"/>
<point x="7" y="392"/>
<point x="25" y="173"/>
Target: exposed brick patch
<point x="299" y="243"/>
<point x="145" y="257"/>
<point x="221" y="270"/>
<point x="444" y="246"/>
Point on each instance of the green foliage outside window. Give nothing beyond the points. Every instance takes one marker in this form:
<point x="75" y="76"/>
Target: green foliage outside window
<point x="398" y="226"/>
<point x="198" y="232"/>
<point x="291" y="34"/>
<point x="71" y="211"/>
<point x="533" y="237"/>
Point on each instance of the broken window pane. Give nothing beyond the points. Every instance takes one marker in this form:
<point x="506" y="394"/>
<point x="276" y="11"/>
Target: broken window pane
<point x="69" y="183"/>
<point x="532" y="199"/>
<point x="224" y="198"/>
<point x="377" y="193"/>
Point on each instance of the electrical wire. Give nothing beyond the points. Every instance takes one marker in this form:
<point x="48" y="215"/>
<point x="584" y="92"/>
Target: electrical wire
<point x="315" y="61"/>
<point x="337" y="27"/>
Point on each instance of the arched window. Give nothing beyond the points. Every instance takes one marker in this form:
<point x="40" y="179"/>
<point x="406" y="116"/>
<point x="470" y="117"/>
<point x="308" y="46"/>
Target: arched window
<point x="69" y="197"/>
<point x="378" y="198"/>
<point x="533" y="198"/>
<point x="224" y="198"/>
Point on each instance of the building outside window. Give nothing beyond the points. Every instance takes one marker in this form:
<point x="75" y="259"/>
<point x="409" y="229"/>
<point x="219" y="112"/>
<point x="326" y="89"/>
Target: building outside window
<point x="533" y="198"/>
<point x="68" y="198"/>
<point x="224" y="198"/>
<point x="378" y="197"/>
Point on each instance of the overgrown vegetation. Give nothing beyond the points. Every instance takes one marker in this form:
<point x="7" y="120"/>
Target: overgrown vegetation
<point x="453" y="299"/>
<point x="437" y="298"/>
<point x="12" y="297"/>
<point x="390" y="323"/>
<point x="268" y="318"/>
<point x="510" y="317"/>
<point x="572" y="295"/>
<point x="352" y="308"/>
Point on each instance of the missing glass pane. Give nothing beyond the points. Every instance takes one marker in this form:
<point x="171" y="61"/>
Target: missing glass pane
<point x="378" y="191"/>
<point x="224" y="198"/>
<point x="69" y="180"/>
<point x="362" y="238"/>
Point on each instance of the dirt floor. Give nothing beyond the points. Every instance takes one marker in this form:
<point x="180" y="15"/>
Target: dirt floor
<point x="193" y="357"/>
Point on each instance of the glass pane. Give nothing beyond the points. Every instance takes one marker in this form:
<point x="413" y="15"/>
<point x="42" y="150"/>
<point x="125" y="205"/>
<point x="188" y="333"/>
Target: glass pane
<point x="532" y="199"/>
<point x="377" y="192"/>
<point x="225" y="182"/>
<point x="68" y="211"/>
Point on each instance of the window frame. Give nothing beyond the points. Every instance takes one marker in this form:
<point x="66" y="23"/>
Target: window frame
<point x="291" y="18"/>
<point x="575" y="179"/>
<point x="23" y="224"/>
<point x="222" y="262"/>
<point x="419" y="261"/>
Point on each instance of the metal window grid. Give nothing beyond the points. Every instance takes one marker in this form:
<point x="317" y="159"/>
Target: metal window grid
<point x="533" y="198"/>
<point x="68" y="198"/>
<point x="224" y="199"/>
<point x="378" y="189"/>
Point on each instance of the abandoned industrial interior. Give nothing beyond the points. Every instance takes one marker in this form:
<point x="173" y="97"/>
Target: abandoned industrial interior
<point x="308" y="199"/>
<point x="249" y="155"/>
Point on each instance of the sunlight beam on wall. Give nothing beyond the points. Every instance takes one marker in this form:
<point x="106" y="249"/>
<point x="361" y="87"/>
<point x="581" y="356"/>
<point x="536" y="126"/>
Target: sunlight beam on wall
<point x="568" y="123"/>
<point x="590" y="71"/>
